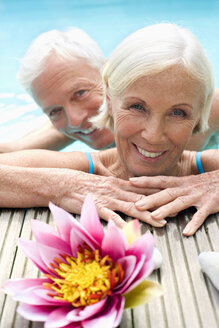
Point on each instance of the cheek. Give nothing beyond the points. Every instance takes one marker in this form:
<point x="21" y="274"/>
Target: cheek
<point x="60" y="122"/>
<point x="94" y="102"/>
<point x="125" y="125"/>
<point x="180" y="135"/>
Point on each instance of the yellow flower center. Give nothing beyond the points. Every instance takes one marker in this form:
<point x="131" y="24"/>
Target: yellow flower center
<point x="84" y="280"/>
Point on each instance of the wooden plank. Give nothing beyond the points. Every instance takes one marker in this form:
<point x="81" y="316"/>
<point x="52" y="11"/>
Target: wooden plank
<point x="126" y="319"/>
<point x="168" y="281"/>
<point x="9" y="248"/>
<point x="212" y="230"/>
<point x="183" y="287"/>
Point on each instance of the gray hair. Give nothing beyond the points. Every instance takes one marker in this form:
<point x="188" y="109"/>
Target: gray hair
<point x="70" y="44"/>
<point x="152" y="50"/>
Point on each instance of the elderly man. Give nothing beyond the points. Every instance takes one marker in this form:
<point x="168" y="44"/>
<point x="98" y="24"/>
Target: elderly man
<point x="62" y="72"/>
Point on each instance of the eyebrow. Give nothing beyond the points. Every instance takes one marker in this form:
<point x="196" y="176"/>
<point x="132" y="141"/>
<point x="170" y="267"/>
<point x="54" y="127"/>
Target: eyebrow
<point x="183" y="104"/>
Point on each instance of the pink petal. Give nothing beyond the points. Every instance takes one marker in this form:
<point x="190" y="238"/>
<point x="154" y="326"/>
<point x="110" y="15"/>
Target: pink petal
<point x="88" y="311"/>
<point x="58" y="318"/>
<point x="119" y="310"/>
<point x="14" y="286"/>
<point x="73" y="325"/>
<point x="44" y="236"/>
<point x="49" y="253"/>
<point x="132" y="277"/>
<point x="145" y="271"/>
<point x="33" y="312"/>
<point x="32" y="252"/>
<point x="81" y="237"/>
<point x="49" y="300"/>
<point x="90" y="219"/>
<point x="63" y="220"/>
<point x="108" y="316"/>
<point x="143" y="245"/>
<point x="39" y="227"/>
<point x="29" y="296"/>
<point x="128" y="264"/>
<point x="114" y="242"/>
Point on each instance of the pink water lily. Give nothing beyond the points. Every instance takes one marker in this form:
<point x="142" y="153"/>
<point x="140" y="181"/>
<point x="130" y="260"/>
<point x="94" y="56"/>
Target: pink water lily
<point x="89" y="276"/>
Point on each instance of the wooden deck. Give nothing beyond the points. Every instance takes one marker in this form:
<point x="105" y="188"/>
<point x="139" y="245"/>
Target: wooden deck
<point x="190" y="300"/>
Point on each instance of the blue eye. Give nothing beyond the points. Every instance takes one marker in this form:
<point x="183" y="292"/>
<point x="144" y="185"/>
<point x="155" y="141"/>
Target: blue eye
<point x="55" y="112"/>
<point x="179" y="113"/>
<point x="80" y="92"/>
<point x="137" y="106"/>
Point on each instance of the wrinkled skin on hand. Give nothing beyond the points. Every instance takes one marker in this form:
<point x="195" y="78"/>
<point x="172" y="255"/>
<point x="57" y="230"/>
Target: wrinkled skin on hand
<point x="179" y="193"/>
<point x="110" y="194"/>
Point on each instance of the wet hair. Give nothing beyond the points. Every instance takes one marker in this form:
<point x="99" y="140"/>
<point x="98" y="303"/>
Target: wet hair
<point x="151" y="50"/>
<point x="71" y="45"/>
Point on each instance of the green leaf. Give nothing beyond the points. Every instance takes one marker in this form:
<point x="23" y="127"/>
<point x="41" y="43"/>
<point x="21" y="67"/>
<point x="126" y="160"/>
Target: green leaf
<point x="143" y="294"/>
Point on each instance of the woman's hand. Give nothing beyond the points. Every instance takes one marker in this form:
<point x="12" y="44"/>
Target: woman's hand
<point x="110" y="194"/>
<point x="179" y="193"/>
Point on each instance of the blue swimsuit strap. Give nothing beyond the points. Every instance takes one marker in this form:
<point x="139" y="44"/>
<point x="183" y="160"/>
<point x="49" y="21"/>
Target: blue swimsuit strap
<point x="90" y="161"/>
<point x="199" y="163"/>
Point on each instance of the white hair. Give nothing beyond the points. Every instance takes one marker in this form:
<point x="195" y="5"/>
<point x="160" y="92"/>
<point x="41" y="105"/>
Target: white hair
<point x="152" y="50"/>
<point x="70" y="45"/>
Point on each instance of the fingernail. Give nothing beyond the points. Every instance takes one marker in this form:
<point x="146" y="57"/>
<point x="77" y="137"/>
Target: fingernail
<point x="133" y="179"/>
<point x="163" y="222"/>
<point x="187" y="231"/>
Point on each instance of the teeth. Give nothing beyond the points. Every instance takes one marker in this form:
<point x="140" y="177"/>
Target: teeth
<point x="91" y="129"/>
<point x="148" y="154"/>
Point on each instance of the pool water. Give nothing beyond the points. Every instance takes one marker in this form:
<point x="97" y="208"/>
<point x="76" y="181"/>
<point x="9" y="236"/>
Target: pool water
<point x="108" y="22"/>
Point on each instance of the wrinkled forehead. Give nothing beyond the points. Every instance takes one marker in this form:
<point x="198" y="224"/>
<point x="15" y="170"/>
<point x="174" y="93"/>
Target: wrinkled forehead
<point x="173" y="80"/>
<point x="63" y="74"/>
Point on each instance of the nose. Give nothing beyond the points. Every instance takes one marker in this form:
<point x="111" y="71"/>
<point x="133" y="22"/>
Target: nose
<point x="76" y="116"/>
<point x="154" y="130"/>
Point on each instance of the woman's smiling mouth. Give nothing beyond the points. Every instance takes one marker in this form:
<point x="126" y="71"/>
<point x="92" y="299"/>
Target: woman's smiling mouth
<point x="148" y="154"/>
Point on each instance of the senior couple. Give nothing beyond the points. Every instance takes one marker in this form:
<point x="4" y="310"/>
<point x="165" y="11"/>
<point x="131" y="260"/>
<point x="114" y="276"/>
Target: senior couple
<point x="158" y="91"/>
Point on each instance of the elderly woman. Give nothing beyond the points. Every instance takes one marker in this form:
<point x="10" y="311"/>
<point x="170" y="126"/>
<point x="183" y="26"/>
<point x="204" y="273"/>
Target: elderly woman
<point x="159" y="90"/>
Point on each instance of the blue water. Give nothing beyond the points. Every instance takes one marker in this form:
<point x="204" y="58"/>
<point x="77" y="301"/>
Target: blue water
<point x="108" y="22"/>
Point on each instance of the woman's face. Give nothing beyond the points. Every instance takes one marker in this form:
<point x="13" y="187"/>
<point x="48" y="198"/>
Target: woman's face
<point x="153" y="122"/>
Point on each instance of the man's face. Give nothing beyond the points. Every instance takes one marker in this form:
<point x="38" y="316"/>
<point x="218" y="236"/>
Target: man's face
<point x="70" y="92"/>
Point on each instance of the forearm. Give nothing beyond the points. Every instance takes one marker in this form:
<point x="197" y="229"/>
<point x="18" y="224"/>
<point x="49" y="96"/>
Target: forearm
<point x="46" y="137"/>
<point x="28" y="187"/>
